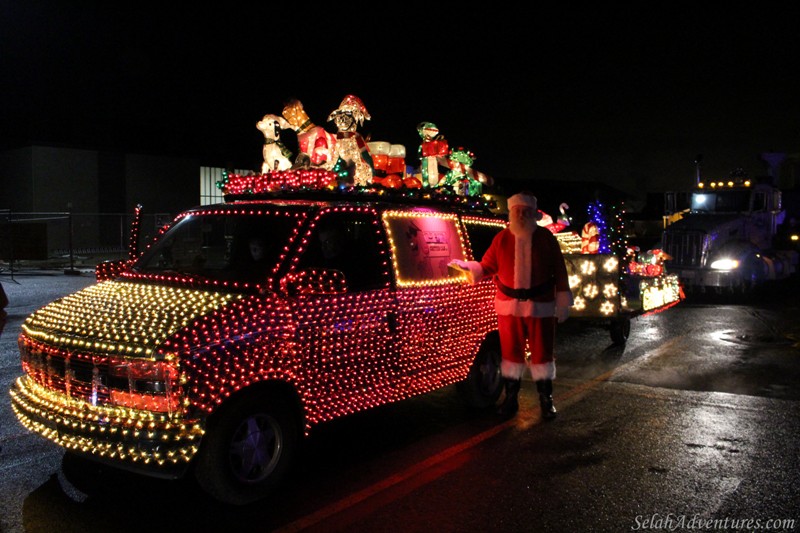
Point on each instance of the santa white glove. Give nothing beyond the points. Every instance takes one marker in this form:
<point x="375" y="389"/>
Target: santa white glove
<point x="562" y="313"/>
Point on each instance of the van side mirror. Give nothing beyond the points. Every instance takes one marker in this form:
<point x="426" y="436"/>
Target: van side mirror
<point x="314" y="281"/>
<point x="110" y="269"/>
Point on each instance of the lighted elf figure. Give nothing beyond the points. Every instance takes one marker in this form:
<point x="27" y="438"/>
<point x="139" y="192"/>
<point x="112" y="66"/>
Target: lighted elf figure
<point x="432" y="153"/>
<point x="461" y="176"/>
<point x="354" y="159"/>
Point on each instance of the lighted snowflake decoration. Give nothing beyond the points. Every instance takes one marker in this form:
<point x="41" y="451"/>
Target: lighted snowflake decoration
<point x="588" y="268"/>
<point x="607" y="308"/>
<point x="591" y="291"/>
<point x="609" y="290"/>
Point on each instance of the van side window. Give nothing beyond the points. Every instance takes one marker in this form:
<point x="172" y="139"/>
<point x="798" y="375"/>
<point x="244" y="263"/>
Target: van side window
<point x="422" y="244"/>
<point x="481" y="233"/>
<point x="349" y="243"/>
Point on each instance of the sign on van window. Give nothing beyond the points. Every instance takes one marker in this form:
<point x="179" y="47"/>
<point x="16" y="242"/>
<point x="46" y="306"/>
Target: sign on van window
<point x="422" y="244"/>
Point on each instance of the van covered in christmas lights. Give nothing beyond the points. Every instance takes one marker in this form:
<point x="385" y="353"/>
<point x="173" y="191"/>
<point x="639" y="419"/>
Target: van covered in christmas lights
<point x="245" y="325"/>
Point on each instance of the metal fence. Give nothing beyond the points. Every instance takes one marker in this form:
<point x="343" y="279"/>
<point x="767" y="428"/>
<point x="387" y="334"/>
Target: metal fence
<point x="61" y="239"/>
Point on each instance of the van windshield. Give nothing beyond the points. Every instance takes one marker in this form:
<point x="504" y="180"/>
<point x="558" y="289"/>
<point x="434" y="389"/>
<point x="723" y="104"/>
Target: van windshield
<point x="234" y="247"/>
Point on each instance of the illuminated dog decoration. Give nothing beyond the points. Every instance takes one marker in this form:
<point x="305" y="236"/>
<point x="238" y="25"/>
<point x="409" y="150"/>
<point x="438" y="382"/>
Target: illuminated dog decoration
<point x="276" y="155"/>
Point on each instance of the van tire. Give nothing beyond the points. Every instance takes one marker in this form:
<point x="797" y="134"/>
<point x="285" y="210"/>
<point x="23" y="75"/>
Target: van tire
<point x="248" y="449"/>
<point x="483" y="384"/>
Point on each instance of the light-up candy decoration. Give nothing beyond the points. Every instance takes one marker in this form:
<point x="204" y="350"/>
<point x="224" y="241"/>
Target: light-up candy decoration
<point x="276" y="155"/>
<point x="563" y="220"/>
<point x="355" y="161"/>
<point x="432" y="153"/>
<point x="590" y="240"/>
<point x="559" y="224"/>
<point x="317" y="146"/>
<point x="598" y="216"/>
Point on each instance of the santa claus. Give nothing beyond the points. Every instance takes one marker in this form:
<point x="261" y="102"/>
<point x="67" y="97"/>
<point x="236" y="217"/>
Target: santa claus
<point x="532" y="295"/>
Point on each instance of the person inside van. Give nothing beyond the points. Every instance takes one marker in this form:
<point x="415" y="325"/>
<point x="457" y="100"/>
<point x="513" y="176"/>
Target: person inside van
<point x="332" y="249"/>
<point x="257" y="248"/>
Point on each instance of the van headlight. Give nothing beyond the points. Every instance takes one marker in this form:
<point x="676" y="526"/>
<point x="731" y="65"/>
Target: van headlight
<point x="144" y="384"/>
<point x="725" y="264"/>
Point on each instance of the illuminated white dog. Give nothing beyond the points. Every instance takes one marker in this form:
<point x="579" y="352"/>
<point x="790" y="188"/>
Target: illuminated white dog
<point x="276" y="155"/>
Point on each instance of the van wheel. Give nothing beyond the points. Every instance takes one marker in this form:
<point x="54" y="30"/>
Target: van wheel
<point x="483" y="384"/>
<point x="248" y="450"/>
<point x="620" y="330"/>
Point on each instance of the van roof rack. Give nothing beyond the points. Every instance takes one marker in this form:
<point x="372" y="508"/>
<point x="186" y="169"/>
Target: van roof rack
<point x="322" y="185"/>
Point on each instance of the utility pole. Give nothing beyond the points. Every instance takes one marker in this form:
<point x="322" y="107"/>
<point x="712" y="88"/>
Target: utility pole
<point x="697" y="162"/>
<point x="71" y="270"/>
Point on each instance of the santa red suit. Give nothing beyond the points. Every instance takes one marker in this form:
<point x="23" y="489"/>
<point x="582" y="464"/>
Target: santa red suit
<point x="532" y="294"/>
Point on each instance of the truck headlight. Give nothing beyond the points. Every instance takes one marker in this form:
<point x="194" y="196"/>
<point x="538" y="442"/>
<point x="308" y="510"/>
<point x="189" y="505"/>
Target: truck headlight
<point x="725" y="264"/>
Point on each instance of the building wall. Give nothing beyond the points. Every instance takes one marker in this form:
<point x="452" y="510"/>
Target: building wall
<point x="64" y="179"/>
<point x="100" y="189"/>
<point x="16" y="184"/>
<point x="161" y="184"/>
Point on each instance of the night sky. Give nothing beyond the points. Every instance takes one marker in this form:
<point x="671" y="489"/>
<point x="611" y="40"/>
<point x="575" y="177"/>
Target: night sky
<point x="615" y="95"/>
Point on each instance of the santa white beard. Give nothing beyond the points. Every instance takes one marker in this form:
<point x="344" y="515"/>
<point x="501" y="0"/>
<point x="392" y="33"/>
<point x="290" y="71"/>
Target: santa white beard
<point x="522" y="229"/>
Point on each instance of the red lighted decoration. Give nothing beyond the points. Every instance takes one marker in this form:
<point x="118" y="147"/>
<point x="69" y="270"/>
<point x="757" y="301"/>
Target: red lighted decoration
<point x="313" y="178"/>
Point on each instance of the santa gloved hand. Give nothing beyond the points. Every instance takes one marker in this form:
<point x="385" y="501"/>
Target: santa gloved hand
<point x="458" y="264"/>
<point x="562" y="313"/>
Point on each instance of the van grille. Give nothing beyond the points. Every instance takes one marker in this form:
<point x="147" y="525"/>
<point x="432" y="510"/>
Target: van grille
<point x="79" y="376"/>
<point x="686" y="248"/>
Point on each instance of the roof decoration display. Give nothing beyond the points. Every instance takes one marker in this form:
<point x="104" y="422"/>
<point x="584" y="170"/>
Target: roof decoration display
<point x="344" y="162"/>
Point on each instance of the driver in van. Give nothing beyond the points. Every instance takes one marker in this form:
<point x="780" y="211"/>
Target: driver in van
<point x="332" y="248"/>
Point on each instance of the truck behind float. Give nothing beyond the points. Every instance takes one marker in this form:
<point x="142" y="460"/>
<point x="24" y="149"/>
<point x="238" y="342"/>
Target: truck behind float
<point x="730" y="238"/>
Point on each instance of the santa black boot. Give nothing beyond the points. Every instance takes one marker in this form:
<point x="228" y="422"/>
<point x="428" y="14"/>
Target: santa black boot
<point x="510" y="404"/>
<point x="545" y="388"/>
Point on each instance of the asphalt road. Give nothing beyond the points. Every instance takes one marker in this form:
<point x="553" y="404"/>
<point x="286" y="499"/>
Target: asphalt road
<point x="694" y="424"/>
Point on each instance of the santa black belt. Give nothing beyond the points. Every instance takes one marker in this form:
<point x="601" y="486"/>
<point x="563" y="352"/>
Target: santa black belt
<point x="526" y="294"/>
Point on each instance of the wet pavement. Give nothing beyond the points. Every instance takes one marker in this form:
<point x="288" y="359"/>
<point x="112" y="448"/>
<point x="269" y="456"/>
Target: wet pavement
<point x="695" y="421"/>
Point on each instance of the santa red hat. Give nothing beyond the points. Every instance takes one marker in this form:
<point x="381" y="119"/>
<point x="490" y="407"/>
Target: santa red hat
<point x="524" y="199"/>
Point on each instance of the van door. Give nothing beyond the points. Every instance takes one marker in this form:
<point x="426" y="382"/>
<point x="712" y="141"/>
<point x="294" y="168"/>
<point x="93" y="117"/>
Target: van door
<point x="346" y="338"/>
<point x="436" y="334"/>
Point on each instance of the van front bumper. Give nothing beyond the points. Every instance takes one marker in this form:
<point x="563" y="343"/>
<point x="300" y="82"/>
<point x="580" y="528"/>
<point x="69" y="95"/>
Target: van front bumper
<point x="154" y="444"/>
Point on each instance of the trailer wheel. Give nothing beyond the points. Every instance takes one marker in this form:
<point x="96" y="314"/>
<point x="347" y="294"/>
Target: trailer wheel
<point x="249" y="449"/>
<point x="620" y="330"/>
<point x="483" y="384"/>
